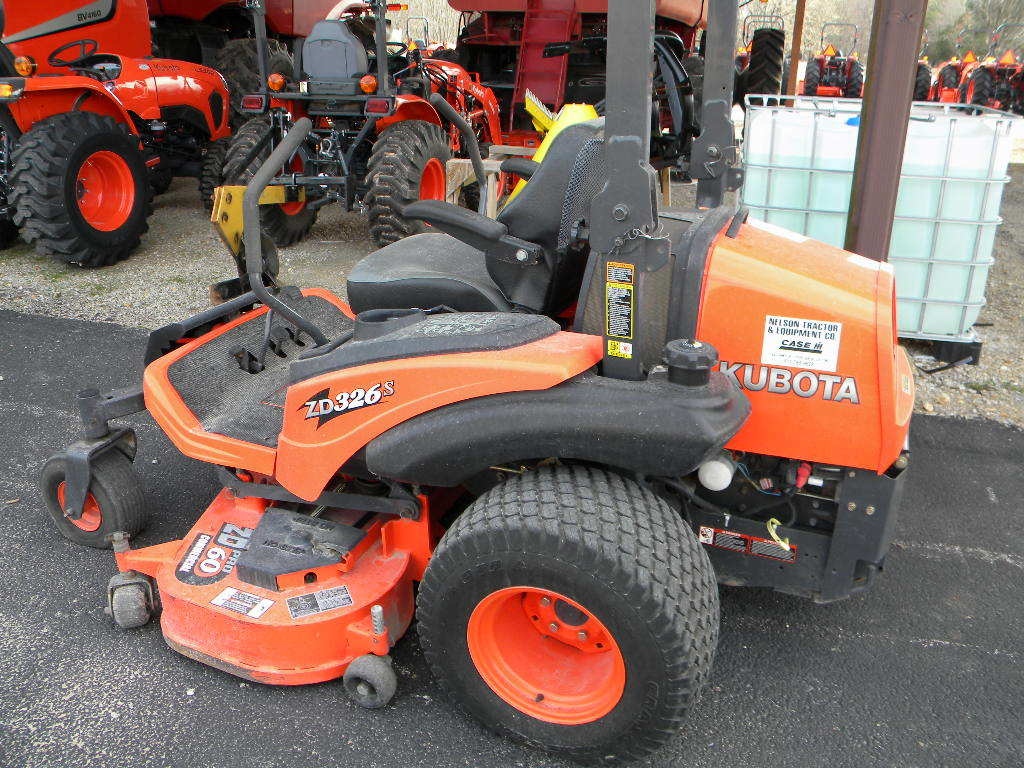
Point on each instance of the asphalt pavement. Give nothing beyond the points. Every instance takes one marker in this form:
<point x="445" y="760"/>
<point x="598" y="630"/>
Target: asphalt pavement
<point x="926" y="670"/>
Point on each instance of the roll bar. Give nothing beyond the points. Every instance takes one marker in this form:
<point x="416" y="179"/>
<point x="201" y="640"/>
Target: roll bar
<point x="251" y="227"/>
<point x="448" y="112"/>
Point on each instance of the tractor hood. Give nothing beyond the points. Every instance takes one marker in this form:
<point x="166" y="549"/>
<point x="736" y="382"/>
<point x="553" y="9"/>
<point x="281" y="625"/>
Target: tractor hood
<point x="174" y="90"/>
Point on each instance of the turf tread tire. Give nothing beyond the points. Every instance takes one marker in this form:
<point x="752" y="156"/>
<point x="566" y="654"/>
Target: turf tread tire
<point x="613" y="536"/>
<point x="43" y="201"/>
<point x="285" y="229"/>
<point x="394" y="171"/>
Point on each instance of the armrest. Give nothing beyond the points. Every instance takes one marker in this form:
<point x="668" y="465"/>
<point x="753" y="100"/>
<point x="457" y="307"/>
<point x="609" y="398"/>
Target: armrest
<point x="520" y="166"/>
<point x="473" y="229"/>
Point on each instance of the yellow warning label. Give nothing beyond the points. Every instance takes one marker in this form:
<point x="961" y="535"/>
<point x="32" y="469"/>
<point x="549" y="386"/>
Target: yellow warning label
<point x="619" y="310"/>
<point x="619" y="273"/>
<point x="622" y="349"/>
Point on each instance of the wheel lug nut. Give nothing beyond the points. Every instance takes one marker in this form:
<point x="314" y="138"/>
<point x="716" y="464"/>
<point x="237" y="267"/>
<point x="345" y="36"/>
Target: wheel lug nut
<point x="545" y="601"/>
<point x="581" y="636"/>
<point x="553" y="626"/>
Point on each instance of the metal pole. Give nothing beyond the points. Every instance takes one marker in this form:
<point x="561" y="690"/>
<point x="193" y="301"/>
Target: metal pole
<point x="796" y="52"/>
<point x="710" y="156"/>
<point x="895" y="34"/>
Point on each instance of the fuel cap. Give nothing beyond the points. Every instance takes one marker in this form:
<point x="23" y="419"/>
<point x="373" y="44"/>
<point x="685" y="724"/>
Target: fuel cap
<point x="689" y="362"/>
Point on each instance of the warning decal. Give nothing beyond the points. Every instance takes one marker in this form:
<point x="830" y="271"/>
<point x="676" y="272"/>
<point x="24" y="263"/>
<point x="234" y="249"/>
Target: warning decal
<point x="318" y="602"/>
<point x="794" y="342"/>
<point x="245" y="603"/>
<point x="745" y="544"/>
<point x="619" y="288"/>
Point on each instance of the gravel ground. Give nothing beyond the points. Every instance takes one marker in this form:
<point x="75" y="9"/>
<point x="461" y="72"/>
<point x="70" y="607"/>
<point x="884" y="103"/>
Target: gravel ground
<point x="169" y="276"/>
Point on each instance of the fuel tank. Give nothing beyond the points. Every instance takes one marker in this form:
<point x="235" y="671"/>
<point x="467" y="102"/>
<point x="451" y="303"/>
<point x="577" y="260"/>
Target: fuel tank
<point x="808" y="332"/>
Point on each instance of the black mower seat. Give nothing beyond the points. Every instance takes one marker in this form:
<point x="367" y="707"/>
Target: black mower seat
<point x="437" y="269"/>
<point x="333" y="55"/>
<point x="425" y="271"/>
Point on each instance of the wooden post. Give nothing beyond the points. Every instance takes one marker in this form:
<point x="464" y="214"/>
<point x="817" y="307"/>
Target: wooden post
<point x="895" y="37"/>
<point x="796" y="50"/>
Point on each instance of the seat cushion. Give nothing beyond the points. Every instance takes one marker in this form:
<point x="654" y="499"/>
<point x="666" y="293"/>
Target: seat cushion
<point x="422" y="272"/>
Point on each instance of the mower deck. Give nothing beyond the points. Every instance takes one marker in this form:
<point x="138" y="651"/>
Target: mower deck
<point x="256" y="592"/>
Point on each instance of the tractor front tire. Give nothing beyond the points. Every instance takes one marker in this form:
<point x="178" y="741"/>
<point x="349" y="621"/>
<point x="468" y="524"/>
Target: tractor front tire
<point x="764" y="74"/>
<point x="812" y="77"/>
<point x="238" y="63"/>
<point x="115" y="501"/>
<point x="573" y="610"/>
<point x="287" y="224"/>
<point x="923" y="82"/>
<point x="409" y="163"/>
<point x="854" y="88"/>
<point x="80" y="189"/>
<point x="211" y="172"/>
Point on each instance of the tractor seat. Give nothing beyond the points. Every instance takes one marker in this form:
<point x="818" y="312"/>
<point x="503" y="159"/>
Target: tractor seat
<point x="469" y="270"/>
<point x="333" y="55"/>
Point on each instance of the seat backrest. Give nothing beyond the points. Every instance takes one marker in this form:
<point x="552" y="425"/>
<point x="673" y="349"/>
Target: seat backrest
<point x="546" y="212"/>
<point x="333" y="52"/>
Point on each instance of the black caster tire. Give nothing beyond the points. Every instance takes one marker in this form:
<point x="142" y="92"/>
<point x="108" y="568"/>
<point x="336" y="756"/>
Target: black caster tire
<point x="370" y="681"/>
<point x="130" y="606"/>
<point x="115" y="501"/>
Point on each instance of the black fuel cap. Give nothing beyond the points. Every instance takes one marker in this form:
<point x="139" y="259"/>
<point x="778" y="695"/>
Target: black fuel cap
<point x="689" y="362"/>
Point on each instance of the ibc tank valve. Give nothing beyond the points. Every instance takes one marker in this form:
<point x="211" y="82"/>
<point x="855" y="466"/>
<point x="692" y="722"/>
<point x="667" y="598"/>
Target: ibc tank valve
<point x="689" y="362"/>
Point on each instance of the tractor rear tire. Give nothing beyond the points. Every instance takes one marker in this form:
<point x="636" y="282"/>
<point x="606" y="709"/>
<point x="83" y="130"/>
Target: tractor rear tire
<point x="115" y="501"/>
<point x="238" y="63"/>
<point x="288" y="224"/>
<point x="10" y="133"/>
<point x="923" y="82"/>
<point x="409" y="163"/>
<point x="812" y="77"/>
<point x="547" y="589"/>
<point x="764" y="74"/>
<point x="80" y="189"/>
<point x="211" y="172"/>
<point x="949" y="77"/>
<point x="854" y="88"/>
<point x="980" y="88"/>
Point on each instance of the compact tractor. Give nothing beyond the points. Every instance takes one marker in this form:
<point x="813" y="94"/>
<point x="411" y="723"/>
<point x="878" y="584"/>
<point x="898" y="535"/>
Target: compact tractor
<point x="760" y="61"/>
<point x="545" y="437"/>
<point x="996" y="83"/>
<point x="946" y="88"/>
<point x="383" y="126"/>
<point x="834" y="72"/>
<point x="87" y="136"/>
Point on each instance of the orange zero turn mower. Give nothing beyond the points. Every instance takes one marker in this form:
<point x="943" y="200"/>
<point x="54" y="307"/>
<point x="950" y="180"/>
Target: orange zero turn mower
<point x="553" y="501"/>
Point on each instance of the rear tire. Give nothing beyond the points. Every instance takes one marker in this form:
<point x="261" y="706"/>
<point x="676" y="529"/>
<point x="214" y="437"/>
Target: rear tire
<point x="80" y="189"/>
<point x="923" y="82"/>
<point x="854" y="88"/>
<point x="286" y="228"/>
<point x="949" y="77"/>
<point x="979" y="88"/>
<point x="606" y="554"/>
<point x="211" y="173"/>
<point x="764" y="74"/>
<point x="404" y="168"/>
<point x="115" y="501"/>
<point x="238" y="63"/>
<point x="811" y="78"/>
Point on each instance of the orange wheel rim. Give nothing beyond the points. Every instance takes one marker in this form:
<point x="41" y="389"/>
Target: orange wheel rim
<point x="105" y="190"/>
<point x="546" y="655"/>
<point x="91" y="518"/>
<point x="433" y="184"/>
<point x="296" y="165"/>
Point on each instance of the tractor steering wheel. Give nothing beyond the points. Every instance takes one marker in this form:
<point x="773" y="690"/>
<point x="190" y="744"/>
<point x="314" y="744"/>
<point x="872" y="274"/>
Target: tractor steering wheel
<point x="86" y="48"/>
<point x="402" y="48"/>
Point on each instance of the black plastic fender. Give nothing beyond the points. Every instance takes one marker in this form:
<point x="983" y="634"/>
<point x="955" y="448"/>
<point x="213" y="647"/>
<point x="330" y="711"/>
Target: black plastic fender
<point x="652" y="427"/>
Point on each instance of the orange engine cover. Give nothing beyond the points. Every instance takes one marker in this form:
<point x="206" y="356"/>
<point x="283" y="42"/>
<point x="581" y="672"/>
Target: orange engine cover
<point x="808" y="332"/>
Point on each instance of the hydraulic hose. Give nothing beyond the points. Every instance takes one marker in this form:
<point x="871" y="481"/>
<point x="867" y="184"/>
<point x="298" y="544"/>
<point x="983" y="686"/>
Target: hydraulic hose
<point x="447" y="111"/>
<point x="251" y="231"/>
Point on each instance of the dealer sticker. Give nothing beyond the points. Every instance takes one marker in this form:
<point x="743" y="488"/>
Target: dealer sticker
<point x="241" y="602"/>
<point x="795" y="342"/>
<point x="317" y="602"/>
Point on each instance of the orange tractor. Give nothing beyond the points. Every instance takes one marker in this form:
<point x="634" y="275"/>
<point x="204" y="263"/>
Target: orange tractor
<point x="946" y="87"/>
<point x="996" y="83"/>
<point x="384" y="119"/>
<point x="87" y="135"/>
<point x="760" y="61"/>
<point x="834" y="72"/>
<point x="545" y="437"/>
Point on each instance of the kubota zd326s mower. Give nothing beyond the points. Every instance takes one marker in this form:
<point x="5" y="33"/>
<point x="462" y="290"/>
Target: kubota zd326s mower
<point x="727" y="403"/>
<point x="90" y="123"/>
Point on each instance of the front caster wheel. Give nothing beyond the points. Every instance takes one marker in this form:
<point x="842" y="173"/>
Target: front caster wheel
<point x="370" y="681"/>
<point x="114" y="502"/>
<point x="130" y="604"/>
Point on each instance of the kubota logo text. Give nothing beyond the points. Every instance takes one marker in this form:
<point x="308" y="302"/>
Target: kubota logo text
<point x="324" y="407"/>
<point x="782" y="381"/>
